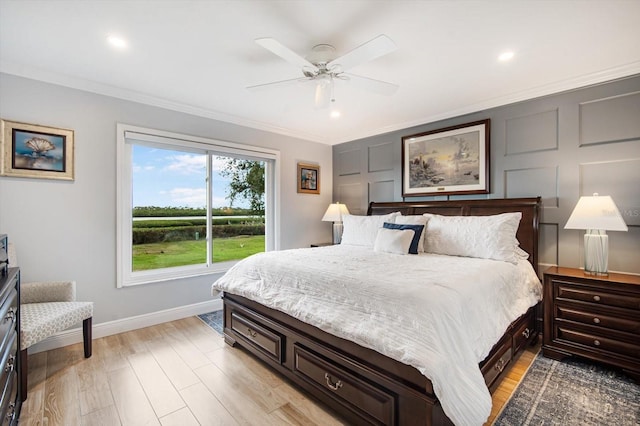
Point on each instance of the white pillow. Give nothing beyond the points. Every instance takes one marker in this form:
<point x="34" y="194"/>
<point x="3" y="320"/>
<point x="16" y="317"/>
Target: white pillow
<point x="521" y="253"/>
<point x="395" y="241"/>
<point x="362" y="230"/>
<point x="414" y="220"/>
<point x="487" y="237"/>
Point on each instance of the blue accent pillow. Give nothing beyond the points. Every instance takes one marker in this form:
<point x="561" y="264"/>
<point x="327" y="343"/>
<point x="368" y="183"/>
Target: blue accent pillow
<point x="417" y="229"/>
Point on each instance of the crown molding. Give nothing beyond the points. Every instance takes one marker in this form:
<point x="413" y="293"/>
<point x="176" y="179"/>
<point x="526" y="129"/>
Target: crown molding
<point x="574" y="83"/>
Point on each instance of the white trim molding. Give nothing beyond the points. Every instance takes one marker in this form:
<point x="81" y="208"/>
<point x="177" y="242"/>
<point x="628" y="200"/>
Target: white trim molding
<point x="35" y="73"/>
<point x="129" y="136"/>
<point x="74" y="335"/>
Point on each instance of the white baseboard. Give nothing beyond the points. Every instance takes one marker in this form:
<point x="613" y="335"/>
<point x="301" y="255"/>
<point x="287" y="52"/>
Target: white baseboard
<point x="74" y="335"/>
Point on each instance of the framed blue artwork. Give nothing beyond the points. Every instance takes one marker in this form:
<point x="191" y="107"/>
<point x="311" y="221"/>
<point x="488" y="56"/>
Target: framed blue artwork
<point x="34" y="151"/>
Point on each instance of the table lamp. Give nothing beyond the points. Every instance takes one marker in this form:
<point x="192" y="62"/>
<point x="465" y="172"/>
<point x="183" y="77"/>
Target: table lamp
<point x="596" y="214"/>
<point x="334" y="214"/>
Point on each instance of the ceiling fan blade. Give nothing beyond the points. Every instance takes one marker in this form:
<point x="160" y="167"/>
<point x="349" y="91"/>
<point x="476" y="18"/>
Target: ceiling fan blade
<point x="277" y="84"/>
<point x="274" y="46"/>
<point x="377" y="86"/>
<point x="368" y="51"/>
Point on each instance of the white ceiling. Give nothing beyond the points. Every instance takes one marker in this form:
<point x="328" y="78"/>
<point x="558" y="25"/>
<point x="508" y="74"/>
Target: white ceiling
<point x="198" y="56"/>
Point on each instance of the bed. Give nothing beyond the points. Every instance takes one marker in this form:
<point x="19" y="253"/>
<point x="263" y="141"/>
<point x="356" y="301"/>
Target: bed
<point x="387" y="383"/>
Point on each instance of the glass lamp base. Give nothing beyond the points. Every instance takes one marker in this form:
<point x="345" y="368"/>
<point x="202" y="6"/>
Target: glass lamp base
<point x="596" y="253"/>
<point x="338" y="227"/>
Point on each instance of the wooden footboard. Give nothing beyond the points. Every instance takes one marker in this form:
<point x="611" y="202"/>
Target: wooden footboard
<point x="361" y="385"/>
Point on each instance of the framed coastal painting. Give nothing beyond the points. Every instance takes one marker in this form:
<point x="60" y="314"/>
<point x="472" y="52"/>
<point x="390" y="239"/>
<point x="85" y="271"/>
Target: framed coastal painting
<point x="308" y="178"/>
<point x="33" y="151"/>
<point x="453" y="160"/>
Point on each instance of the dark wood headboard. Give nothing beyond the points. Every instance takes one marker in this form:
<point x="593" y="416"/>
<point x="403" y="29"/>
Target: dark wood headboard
<point x="529" y="207"/>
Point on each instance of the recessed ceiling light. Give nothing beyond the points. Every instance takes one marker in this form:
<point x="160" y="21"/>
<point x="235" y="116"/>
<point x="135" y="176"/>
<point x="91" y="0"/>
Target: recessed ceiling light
<point x="506" y="56"/>
<point x="335" y="114"/>
<point x="117" y="42"/>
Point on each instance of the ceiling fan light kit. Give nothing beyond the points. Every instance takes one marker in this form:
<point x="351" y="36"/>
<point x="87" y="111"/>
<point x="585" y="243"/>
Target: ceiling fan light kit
<point x="320" y="68"/>
<point x="324" y="91"/>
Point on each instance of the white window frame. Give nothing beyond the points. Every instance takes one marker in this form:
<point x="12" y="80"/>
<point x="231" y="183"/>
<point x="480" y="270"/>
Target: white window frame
<point x="124" y="192"/>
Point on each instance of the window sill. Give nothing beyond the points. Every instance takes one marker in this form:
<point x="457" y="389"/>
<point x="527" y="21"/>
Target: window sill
<point x="173" y="274"/>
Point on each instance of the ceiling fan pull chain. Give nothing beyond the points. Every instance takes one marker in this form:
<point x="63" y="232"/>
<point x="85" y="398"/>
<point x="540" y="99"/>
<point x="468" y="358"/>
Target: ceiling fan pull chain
<point x="333" y="98"/>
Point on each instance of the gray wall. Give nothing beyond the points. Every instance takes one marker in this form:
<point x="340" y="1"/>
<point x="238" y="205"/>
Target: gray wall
<point x="558" y="147"/>
<point x="67" y="230"/>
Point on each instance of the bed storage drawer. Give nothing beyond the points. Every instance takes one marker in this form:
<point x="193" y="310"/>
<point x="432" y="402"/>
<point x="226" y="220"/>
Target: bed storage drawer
<point x="257" y="335"/>
<point x="375" y="405"/>
<point x="493" y="366"/>
<point x="523" y="331"/>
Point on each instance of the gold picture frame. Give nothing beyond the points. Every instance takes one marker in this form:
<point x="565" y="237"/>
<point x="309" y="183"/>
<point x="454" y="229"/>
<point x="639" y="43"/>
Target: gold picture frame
<point x="308" y="178"/>
<point x="34" y="151"/>
<point x="449" y="161"/>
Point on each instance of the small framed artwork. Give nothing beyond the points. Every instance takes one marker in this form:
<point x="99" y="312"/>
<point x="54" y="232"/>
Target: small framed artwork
<point x="308" y="178"/>
<point x="454" y="160"/>
<point x="29" y="150"/>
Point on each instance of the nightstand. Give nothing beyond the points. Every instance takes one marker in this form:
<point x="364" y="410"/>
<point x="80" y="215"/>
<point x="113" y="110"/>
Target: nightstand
<point x="321" y="244"/>
<point x="595" y="317"/>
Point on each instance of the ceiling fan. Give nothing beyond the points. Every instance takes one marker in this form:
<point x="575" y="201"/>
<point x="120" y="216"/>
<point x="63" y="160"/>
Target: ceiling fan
<point x="322" y="68"/>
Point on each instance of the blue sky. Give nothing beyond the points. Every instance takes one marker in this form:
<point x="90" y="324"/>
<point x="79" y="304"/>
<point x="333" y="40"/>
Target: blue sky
<point x="167" y="178"/>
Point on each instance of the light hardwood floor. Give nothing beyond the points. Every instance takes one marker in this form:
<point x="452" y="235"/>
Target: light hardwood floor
<point x="176" y="373"/>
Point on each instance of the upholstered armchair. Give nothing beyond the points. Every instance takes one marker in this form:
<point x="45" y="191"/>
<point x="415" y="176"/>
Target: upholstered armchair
<point x="47" y="308"/>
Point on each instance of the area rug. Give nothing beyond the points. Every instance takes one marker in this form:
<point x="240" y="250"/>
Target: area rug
<point x="213" y="320"/>
<point x="572" y="392"/>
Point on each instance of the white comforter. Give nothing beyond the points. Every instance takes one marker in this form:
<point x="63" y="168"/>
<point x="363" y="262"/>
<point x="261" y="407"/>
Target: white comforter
<point x="439" y="314"/>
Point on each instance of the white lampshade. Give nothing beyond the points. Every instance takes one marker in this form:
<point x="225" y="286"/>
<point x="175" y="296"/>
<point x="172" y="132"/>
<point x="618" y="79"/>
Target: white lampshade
<point x="596" y="212"/>
<point x="597" y="215"/>
<point x="334" y="212"/>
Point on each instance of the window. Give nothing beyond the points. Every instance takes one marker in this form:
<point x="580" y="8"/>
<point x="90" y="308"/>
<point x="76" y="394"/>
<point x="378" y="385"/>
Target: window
<point x="190" y="206"/>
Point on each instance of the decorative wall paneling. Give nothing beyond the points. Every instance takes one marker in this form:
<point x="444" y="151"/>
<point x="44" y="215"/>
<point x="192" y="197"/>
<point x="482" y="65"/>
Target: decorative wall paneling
<point x="610" y="120"/>
<point x="559" y="147"/>
<point x="380" y="157"/>
<point x="348" y="163"/>
<point x="351" y="195"/>
<point x="381" y="191"/>
<point x="531" y="133"/>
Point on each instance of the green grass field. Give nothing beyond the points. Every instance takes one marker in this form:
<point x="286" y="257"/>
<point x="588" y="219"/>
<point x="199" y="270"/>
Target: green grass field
<point x="181" y="253"/>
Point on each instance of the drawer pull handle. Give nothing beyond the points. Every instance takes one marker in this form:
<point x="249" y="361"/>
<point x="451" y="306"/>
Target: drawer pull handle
<point x="596" y="298"/>
<point x="596" y="320"/>
<point x="11" y="315"/>
<point x="333" y="386"/>
<point x="526" y="333"/>
<point x="500" y="365"/>
<point x="11" y="411"/>
<point x="596" y="342"/>
<point x="10" y="364"/>
<point x="251" y="333"/>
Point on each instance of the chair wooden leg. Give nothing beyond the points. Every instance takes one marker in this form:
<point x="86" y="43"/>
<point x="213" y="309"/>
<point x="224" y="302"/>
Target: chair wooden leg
<point x="86" y="336"/>
<point x="23" y="374"/>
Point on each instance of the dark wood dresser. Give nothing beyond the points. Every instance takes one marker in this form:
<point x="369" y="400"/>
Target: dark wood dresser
<point x="10" y="403"/>
<point x="595" y="317"/>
